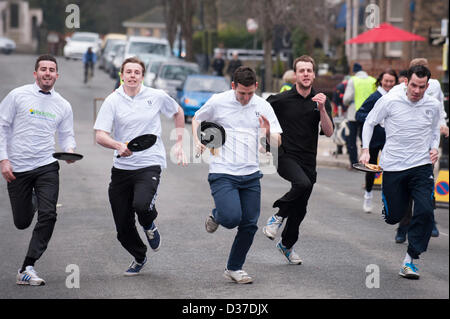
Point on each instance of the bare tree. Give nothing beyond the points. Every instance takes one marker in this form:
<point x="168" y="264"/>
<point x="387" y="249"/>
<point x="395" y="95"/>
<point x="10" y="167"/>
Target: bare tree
<point x="172" y="14"/>
<point x="269" y="13"/>
<point x="180" y="12"/>
<point x="189" y="7"/>
<point x="306" y="14"/>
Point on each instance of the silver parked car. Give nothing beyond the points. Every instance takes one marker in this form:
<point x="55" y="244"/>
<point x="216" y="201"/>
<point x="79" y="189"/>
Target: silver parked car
<point x="7" y="45"/>
<point x="171" y="74"/>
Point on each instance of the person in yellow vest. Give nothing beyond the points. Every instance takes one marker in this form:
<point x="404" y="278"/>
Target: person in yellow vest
<point x="288" y="80"/>
<point x="359" y="88"/>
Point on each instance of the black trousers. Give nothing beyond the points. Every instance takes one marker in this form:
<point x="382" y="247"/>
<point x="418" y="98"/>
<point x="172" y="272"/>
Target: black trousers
<point x="133" y="192"/>
<point x="293" y="204"/>
<point x="370" y="177"/>
<point x="45" y="182"/>
<point x="397" y="190"/>
<point x="87" y="66"/>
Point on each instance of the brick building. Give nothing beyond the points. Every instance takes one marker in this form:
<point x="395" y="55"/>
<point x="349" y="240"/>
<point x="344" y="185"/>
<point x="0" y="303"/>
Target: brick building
<point x="417" y="16"/>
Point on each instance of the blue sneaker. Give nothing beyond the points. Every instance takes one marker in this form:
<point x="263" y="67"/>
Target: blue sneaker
<point x="290" y="254"/>
<point x="135" y="268"/>
<point x="410" y="271"/>
<point x="153" y="237"/>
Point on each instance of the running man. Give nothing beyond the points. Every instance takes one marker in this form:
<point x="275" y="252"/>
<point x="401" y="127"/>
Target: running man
<point x="30" y="117"/>
<point x="411" y="121"/>
<point x="300" y="111"/>
<point x="130" y="111"/>
<point x="234" y="175"/>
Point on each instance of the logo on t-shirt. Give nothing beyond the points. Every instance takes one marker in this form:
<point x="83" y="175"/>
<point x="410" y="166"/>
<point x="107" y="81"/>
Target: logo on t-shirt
<point x="149" y="102"/>
<point x="258" y="114"/>
<point x="42" y="115"/>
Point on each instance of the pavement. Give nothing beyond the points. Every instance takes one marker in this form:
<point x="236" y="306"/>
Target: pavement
<point x="326" y="154"/>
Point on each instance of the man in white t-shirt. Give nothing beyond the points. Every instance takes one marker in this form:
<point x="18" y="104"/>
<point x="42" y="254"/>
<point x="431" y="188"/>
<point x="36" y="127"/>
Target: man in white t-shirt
<point x="433" y="90"/>
<point x="30" y="117"/>
<point x="234" y="174"/>
<point x="130" y="111"/>
<point x="411" y="121"/>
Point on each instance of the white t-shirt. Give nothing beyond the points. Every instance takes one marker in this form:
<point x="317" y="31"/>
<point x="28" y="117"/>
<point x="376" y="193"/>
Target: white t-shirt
<point x="239" y="155"/>
<point x="28" y="123"/>
<point x="412" y="129"/>
<point x="127" y="118"/>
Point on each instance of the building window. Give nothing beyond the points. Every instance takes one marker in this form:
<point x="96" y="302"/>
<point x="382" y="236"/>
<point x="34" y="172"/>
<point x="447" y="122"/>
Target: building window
<point x="14" y="15"/>
<point x="394" y="17"/>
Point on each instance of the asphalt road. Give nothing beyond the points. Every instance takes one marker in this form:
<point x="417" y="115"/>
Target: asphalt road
<point x="342" y="247"/>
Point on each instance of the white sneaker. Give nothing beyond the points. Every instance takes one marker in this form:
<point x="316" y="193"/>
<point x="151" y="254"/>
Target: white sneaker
<point x="368" y="202"/>
<point x="238" y="276"/>
<point x="272" y="226"/>
<point x="29" y="277"/>
<point x="290" y="254"/>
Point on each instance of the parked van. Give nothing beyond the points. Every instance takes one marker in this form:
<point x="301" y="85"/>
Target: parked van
<point x="143" y="45"/>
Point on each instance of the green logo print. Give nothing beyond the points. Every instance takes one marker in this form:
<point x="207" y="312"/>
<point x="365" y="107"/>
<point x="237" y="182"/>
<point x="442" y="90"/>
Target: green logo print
<point x="46" y="115"/>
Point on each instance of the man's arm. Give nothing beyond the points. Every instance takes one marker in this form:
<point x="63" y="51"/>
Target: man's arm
<point x="179" y="127"/>
<point x="325" y="121"/>
<point x="273" y="138"/>
<point x="104" y="139"/>
<point x="197" y="144"/>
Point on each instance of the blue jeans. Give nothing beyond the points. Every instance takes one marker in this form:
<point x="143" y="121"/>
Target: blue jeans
<point x="238" y="204"/>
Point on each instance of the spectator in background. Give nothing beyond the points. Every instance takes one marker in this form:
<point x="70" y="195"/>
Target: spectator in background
<point x="218" y="64"/>
<point x="403" y="76"/>
<point x="89" y="60"/>
<point x="358" y="89"/>
<point x="233" y="64"/>
<point x="385" y="82"/>
<point x="289" y="79"/>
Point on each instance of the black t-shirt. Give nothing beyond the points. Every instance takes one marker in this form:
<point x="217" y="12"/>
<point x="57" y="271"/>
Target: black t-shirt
<point x="299" y="118"/>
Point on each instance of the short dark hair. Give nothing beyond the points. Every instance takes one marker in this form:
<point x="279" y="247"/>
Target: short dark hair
<point x="403" y="73"/>
<point x="387" y="71"/>
<point x="244" y="75"/>
<point x="45" y="57"/>
<point x="133" y="60"/>
<point x="304" y="58"/>
<point x="419" y="70"/>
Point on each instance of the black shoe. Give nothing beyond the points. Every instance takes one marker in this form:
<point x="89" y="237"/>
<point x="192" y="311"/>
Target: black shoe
<point x="400" y="237"/>
<point x="435" y="231"/>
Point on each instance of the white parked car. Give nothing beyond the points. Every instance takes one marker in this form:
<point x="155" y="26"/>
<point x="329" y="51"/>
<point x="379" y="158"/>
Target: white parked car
<point x="7" y="45"/>
<point x="78" y="44"/>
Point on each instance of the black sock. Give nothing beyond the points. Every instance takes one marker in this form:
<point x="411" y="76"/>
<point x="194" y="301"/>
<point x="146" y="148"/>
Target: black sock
<point x="27" y="262"/>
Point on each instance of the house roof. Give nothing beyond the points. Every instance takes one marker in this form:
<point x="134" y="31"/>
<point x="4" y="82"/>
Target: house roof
<point x="151" y="18"/>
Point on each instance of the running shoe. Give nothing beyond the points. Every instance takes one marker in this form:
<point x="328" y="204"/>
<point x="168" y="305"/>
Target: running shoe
<point x="435" y="231"/>
<point x="290" y="254"/>
<point x="238" y="276"/>
<point x="400" y="237"/>
<point x="410" y="271"/>
<point x="367" y="206"/>
<point x="29" y="277"/>
<point x="273" y="224"/>
<point x="135" y="268"/>
<point x="153" y="237"/>
<point x="210" y="224"/>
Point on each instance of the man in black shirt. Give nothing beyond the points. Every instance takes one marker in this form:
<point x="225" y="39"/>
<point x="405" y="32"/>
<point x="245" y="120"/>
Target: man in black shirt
<point x="299" y="111"/>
